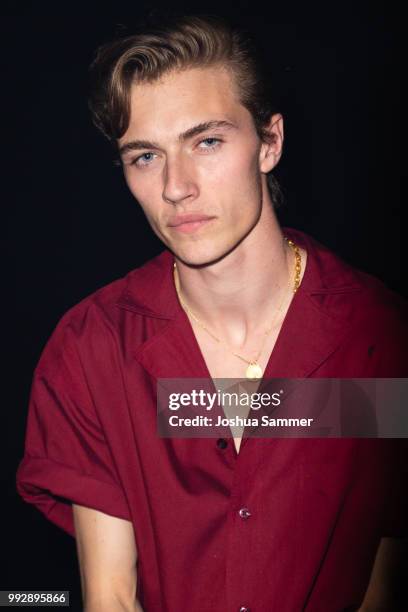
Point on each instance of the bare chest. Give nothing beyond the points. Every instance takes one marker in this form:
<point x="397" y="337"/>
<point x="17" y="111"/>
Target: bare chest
<point x="223" y="364"/>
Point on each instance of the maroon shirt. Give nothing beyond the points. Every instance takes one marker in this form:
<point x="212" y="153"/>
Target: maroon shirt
<point x="316" y="508"/>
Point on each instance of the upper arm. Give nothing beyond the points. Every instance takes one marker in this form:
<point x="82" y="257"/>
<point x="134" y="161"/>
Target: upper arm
<point x="107" y="555"/>
<point x="69" y="453"/>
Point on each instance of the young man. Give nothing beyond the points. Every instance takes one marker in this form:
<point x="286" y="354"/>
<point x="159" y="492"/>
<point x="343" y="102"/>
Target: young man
<point x="209" y="524"/>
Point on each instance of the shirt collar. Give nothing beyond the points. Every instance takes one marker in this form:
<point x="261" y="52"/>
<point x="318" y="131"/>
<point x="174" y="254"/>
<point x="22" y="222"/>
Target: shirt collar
<point x="317" y="320"/>
<point x="150" y="291"/>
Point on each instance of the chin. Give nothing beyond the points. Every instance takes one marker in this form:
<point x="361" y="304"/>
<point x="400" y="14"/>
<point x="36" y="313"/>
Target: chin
<point x="202" y="255"/>
<point x="196" y="259"/>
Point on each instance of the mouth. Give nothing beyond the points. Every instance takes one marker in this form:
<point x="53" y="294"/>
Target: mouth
<point x="188" y="224"/>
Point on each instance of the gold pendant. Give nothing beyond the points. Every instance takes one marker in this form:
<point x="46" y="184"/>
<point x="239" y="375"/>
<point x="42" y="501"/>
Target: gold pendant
<point x="254" y="371"/>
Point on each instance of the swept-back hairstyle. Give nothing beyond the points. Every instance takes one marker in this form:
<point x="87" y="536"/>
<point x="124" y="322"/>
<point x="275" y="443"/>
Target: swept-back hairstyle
<point x="177" y="44"/>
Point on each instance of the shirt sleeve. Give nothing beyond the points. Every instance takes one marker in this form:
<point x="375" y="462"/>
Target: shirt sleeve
<point x="67" y="457"/>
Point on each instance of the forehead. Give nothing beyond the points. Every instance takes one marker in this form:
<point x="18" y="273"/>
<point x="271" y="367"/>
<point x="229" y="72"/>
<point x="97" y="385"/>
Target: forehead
<point x="180" y="99"/>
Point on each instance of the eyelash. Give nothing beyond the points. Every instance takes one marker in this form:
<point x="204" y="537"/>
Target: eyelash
<point x="217" y="143"/>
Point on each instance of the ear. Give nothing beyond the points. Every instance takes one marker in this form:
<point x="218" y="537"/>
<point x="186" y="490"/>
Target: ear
<point x="271" y="151"/>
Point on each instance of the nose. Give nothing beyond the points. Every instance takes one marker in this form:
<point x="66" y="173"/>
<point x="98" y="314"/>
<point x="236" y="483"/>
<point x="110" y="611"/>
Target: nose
<point x="179" y="183"/>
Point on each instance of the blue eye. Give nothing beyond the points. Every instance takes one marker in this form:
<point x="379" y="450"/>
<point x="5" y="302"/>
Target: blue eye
<point x="212" y="142"/>
<point x="143" y="160"/>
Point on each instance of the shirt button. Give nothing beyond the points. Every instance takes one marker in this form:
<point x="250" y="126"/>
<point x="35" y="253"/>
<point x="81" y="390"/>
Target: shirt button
<point x="243" y="609"/>
<point x="222" y="443"/>
<point x="244" y="513"/>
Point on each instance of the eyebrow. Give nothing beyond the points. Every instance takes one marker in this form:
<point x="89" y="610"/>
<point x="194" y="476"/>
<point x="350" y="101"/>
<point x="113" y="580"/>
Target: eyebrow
<point x="136" y="145"/>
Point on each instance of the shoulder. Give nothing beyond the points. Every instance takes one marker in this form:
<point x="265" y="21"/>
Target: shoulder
<point x="90" y="325"/>
<point x="361" y="296"/>
<point x="368" y="301"/>
<point x="380" y="316"/>
<point x="374" y="317"/>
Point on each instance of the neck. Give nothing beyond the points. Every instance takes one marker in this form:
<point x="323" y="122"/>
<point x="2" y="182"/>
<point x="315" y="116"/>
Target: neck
<point x="240" y="294"/>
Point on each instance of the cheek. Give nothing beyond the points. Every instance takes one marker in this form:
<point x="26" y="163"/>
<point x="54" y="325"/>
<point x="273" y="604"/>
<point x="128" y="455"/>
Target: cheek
<point x="231" y="171"/>
<point x="234" y="183"/>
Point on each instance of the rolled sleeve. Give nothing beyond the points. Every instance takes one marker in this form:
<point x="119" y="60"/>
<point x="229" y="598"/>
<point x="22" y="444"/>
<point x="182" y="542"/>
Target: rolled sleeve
<point x="52" y="487"/>
<point x="67" y="457"/>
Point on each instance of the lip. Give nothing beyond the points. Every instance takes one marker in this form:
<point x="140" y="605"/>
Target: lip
<point x="189" y="223"/>
<point x="191" y="218"/>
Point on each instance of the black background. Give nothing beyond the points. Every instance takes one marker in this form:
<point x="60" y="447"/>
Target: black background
<point x="71" y="226"/>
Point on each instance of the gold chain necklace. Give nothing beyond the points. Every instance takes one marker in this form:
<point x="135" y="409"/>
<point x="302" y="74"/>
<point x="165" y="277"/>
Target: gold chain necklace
<point x="254" y="370"/>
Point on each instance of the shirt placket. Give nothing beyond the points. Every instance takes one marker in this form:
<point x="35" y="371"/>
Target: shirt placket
<point x="242" y="521"/>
